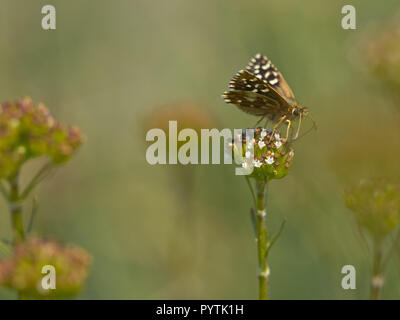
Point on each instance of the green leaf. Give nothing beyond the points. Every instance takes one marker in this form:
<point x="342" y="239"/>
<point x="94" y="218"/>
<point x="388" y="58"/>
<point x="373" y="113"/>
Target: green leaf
<point x="35" y="206"/>
<point x="274" y="238"/>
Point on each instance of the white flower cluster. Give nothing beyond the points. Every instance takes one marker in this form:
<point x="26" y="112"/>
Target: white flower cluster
<point x="267" y="158"/>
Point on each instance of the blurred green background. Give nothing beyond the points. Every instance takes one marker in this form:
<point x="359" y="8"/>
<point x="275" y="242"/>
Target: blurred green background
<point x="110" y="63"/>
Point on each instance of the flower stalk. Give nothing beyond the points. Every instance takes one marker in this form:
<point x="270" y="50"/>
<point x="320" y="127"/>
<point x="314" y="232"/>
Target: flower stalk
<point x="29" y="132"/>
<point x="15" y="205"/>
<point x="262" y="240"/>
<point x="375" y="204"/>
<point x="377" y="279"/>
<point x="15" y="198"/>
<point x="271" y="159"/>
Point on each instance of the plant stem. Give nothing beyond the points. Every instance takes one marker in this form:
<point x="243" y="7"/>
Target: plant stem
<point x="262" y="241"/>
<point x="16" y="211"/>
<point x="3" y="190"/>
<point x="15" y="205"/>
<point x="40" y="175"/>
<point x="377" y="279"/>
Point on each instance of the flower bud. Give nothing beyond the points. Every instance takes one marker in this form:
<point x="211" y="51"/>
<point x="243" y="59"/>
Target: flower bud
<point x="380" y="47"/>
<point x="376" y="205"/>
<point x="23" y="270"/>
<point x="28" y="132"/>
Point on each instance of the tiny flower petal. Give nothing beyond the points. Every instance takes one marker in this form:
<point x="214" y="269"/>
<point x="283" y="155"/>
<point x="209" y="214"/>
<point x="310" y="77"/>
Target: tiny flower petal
<point x="278" y="143"/>
<point x="269" y="160"/>
<point x="261" y="144"/>
<point x="263" y="134"/>
<point x="257" y="163"/>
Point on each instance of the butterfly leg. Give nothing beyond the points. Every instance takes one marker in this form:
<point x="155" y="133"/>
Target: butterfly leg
<point x="261" y="119"/>
<point x="288" y="129"/>
<point x="277" y="125"/>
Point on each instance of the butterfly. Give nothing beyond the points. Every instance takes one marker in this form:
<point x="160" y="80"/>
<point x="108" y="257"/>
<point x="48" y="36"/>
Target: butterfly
<point x="261" y="90"/>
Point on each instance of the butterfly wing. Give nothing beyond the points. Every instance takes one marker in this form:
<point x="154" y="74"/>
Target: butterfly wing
<point x="255" y="96"/>
<point x="263" y="69"/>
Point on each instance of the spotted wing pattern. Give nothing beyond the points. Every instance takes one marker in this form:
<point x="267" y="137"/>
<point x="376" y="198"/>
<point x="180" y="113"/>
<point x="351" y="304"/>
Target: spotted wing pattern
<point x="255" y="96"/>
<point x="263" y="69"/>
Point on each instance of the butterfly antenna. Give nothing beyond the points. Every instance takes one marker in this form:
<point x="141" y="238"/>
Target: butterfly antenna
<point x="314" y="126"/>
<point x="314" y="123"/>
<point x="258" y="122"/>
<point x="298" y="128"/>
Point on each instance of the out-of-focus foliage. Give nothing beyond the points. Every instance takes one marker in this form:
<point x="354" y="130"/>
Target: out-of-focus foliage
<point x="28" y="132"/>
<point x="109" y="61"/>
<point x="23" y="270"/>
<point x="376" y="205"/>
<point x="382" y="53"/>
<point x="187" y="115"/>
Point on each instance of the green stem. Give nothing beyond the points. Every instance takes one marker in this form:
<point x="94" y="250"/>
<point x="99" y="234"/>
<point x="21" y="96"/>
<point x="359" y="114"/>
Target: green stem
<point x="394" y="248"/>
<point x="3" y="190"/>
<point x="377" y="279"/>
<point x="40" y="175"/>
<point x="16" y="211"/>
<point x="15" y="205"/>
<point x="251" y="190"/>
<point x="262" y="241"/>
<point x="4" y="248"/>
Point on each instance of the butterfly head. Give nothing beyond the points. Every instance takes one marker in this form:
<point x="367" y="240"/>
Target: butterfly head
<point x="299" y="110"/>
<point x="302" y="112"/>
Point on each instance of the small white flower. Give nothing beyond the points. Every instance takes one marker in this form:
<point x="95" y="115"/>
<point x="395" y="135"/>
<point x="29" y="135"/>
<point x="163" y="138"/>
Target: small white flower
<point x="263" y="134"/>
<point x="269" y="160"/>
<point x="278" y="143"/>
<point x="277" y="136"/>
<point x="245" y="165"/>
<point x="257" y="163"/>
<point x="248" y="154"/>
<point x="261" y="144"/>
